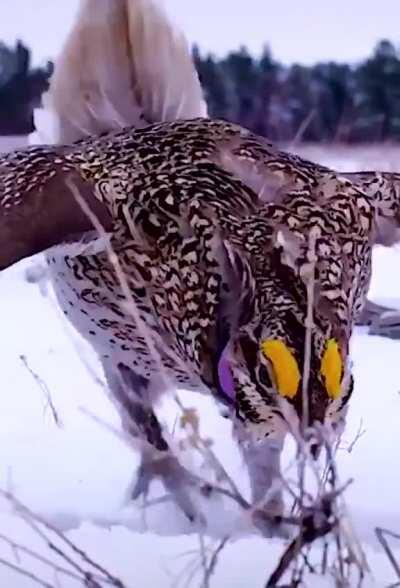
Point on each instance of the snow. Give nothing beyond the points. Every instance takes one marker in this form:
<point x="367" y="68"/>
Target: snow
<point x="76" y="473"/>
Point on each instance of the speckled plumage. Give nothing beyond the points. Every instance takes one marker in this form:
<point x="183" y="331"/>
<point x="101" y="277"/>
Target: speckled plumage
<point x="186" y="217"/>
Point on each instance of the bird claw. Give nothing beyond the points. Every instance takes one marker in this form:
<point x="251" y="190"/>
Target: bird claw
<point x="268" y="518"/>
<point x="269" y="526"/>
<point x="175" y="478"/>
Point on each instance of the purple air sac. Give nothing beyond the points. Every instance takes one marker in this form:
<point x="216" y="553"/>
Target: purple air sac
<point x="225" y="378"/>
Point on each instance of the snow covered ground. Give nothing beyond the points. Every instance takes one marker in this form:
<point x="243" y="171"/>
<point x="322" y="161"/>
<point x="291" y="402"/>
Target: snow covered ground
<point x="76" y="472"/>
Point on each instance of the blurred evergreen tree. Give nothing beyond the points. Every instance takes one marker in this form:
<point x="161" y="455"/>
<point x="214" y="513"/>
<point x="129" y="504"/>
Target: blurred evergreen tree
<point x="324" y="102"/>
<point x="20" y="89"/>
<point x="218" y="87"/>
<point x="270" y="115"/>
<point x="378" y="95"/>
<point x="333" y="89"/>
<point x="243" y="72"/>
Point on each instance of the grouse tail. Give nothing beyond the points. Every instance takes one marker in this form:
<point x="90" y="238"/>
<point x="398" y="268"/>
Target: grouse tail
<point x="123" y="64"/>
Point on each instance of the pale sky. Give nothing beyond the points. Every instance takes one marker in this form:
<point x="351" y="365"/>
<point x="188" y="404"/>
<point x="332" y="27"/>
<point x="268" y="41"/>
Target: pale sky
<point x="297" y="30"/>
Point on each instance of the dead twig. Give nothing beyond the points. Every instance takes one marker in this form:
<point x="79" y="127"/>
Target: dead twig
<point x="19" y="549"/>
<point x="310" y="281"/>
<point x="302" y="128"/>
<point x="40" y="526"/>
<point x="359" y="434"/>
<point x="26" y="573"/>
<point x="212" y="564"/>
<point x="44" y="388"/>
<point x="381" y="535"/>
<point x="314" y="526"/>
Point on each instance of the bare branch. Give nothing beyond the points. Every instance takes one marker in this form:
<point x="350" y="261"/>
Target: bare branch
<point x="214" y="559"/>
<point x="310" y="277"/>
<point x="26" y="573"/>
<point x="40" y="525"/>
<point x="44" y="388"/>
<point x="381" y="535"/>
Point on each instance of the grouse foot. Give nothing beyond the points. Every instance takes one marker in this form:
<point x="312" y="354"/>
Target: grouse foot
<point x="177" y="481"/>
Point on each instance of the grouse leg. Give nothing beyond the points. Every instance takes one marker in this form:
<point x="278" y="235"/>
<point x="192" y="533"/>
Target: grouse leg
<point x="131" y="392"/>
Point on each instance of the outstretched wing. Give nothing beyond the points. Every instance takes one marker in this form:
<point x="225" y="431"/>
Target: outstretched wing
<point x="384" y="189"/>
<point x="44" y="202"/>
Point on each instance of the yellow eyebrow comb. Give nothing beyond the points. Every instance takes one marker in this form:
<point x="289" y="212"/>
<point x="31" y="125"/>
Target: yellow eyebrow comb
<point x="285" y="366"/>
<point x="332" y="368"/>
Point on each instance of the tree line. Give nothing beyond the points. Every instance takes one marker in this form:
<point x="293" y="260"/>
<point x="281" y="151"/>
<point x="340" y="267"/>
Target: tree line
<point x="324" y="102"/>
